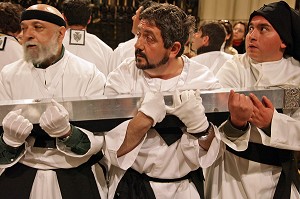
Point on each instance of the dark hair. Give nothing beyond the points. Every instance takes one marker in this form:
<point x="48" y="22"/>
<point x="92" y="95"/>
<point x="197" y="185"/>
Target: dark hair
<point x="77" y="12"/>
<point x="228" y="27"/>
<point x="242" y="23"/>
<point x="216" y="33"/>
<point x="175" y="25"/>
<point x="146" y="3"/>
<point x="10" y="15"/>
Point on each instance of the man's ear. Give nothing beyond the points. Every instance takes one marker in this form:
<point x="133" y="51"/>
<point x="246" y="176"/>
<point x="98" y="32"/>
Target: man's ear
<point x="283" y="45"/>
<point x="175" y="49"/>
<point x="62" y="31"/>
<point x="205" y="40"/>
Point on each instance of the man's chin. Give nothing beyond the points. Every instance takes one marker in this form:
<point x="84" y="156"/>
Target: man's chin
<point x="33" y="61"/>
<point x="140" y="66"/>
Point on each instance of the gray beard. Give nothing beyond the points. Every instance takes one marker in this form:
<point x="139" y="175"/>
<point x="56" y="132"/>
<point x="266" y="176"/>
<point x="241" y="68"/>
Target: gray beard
<point x="42" y="53"/>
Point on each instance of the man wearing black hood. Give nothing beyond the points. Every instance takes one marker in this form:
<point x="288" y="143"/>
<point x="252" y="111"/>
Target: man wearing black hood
<point x="258" y="158"/>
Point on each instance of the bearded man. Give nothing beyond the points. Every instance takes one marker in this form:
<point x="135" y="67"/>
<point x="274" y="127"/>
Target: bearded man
<point x="54" y="159"/>
<point x="169" y="158"/>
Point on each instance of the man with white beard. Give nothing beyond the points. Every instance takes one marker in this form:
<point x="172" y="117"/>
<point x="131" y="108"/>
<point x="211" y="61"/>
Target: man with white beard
<point x="54" y="159"/>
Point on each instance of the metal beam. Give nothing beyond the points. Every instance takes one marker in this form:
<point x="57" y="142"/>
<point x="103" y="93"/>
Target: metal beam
<point x="104" y="113"/>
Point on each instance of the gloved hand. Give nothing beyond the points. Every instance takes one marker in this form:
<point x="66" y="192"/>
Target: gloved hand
<point x="153" y="106"/>
<point x="188" y="107"/>
<point x="55" y="120"/>
<point x="16" y="128"/>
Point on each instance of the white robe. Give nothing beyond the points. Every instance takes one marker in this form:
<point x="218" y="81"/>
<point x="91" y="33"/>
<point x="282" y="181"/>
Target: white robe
<point x="124" y="50"/>
<point x="69" y="77"/>
<point x="11" y="52"/>
<point x="213" y="60"/>
<point x="156" y="158"/>
<point x="94" y="50"/>
<point x="234" y="177"/>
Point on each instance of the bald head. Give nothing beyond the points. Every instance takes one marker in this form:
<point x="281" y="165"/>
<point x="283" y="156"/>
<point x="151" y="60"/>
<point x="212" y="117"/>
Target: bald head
<point x="46" y="8"/>
<point x="45" y="13"/>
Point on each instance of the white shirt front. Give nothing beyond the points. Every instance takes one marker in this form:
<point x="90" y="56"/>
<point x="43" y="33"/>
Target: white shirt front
<point x="213" y="60"/>
<point x="69" y="77"/>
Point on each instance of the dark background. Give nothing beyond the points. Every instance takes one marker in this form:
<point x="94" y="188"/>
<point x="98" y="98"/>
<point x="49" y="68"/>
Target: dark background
<point x="111" y="19"/>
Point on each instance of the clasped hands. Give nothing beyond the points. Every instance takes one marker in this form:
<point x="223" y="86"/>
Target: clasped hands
<point x="244" y="109"/>
<point x="54" y="121"/>
<point x="187" y="106"/>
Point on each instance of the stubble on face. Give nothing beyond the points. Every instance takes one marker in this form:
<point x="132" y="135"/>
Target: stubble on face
<point x="143" y="63"/>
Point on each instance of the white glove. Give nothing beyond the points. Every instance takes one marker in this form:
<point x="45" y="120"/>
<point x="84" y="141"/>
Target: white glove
<point x="188" y="107"/>
<point x="153" y="106"/>
<point x="16" y="128"/>
<point x="55" y="120"/>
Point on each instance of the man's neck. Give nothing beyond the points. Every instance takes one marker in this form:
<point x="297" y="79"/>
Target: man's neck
<point x="77" y="27"/>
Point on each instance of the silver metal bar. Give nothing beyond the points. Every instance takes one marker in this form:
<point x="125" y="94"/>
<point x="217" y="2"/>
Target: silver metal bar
<point x="126" y="106"/>
<point x="217" y="102"/>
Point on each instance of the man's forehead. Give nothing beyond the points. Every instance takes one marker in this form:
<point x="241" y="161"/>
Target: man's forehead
<point x="146" y="24"/>
<point x="35" y="21"/>
<point x="259" y="19"/>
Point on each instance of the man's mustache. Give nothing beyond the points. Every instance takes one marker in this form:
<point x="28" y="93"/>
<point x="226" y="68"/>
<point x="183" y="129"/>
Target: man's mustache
<point x="140" y="53"/>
